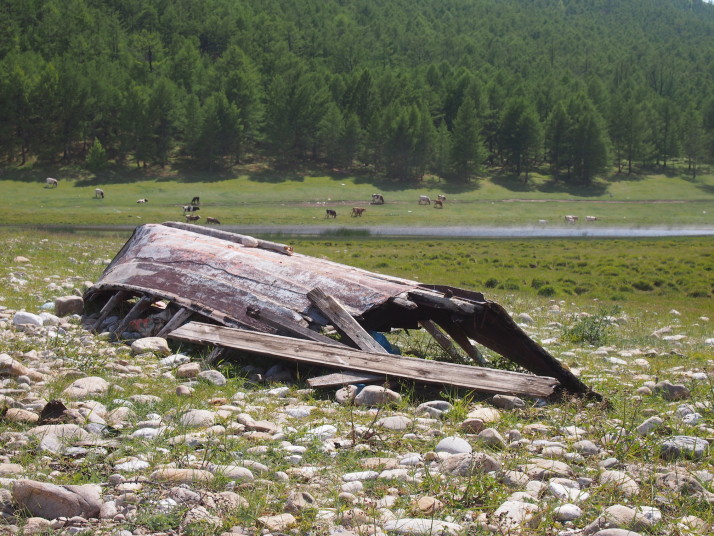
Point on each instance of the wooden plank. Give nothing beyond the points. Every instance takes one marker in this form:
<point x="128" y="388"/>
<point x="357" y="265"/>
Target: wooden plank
<point x="292" y="328"/>
<point x="181" y="316"/>
<point x="412" y="368"/>
<point x="338" y="379"/>
<point x="343" y="321"/>
<point x="109" y="307"/>
<point x="443" y="341"/>
<point x="457" y="333"/>
<point x="455" y="305"/>
<point x="139" y="307"/>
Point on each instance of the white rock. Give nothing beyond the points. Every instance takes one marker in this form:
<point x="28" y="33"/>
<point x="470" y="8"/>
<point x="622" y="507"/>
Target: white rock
<point x="421" y="527"/>
<point x="567" y="512"/>
<point x="86" y="387"/>
<point x="22" y="318"/>
<point x="453" y="445"/>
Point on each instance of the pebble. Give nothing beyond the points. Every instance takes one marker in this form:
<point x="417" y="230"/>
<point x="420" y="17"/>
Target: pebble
<point x="453" y="445"/>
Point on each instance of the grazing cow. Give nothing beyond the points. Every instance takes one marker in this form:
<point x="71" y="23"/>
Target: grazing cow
<point x="51" y="183"/>
<point x="196" y="201"/>
<point x="424" y="200"/>
<point x="192" y="217"/>
<point x="212" y="220"/>
<point x="377" y="199"/>
<point x="357" y="211"/>
<point x="441" y="197"/>
<point x="190" y="208"/>
<point x="142" y="200"/>
<point x="98" y="193"/>
<point x="438" y="203"/>
<point x="329" y="213"/>
<point x="571" y="219"/>
<point x="542" y="221"/>
<point x="590" y="218"/>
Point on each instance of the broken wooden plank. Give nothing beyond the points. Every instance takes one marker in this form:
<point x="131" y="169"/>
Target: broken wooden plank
<point x="443" y="341"/>
<point x="109" y="307"/>
<point x="286" y="325"/>
<point x="455" y="305"/>
<point x="457" y="333"/>
<point x="338" y="379"/>
<point x="343" y="321"/>
<point x="181" y="316"/>
<point x="247" y="241"/>
<point x="139" y="307"/>
<point x="412" y="368"/>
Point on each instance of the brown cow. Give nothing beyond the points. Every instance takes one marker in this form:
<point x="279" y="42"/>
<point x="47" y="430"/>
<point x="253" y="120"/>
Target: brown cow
<point x="357" y="211"/>
<point x="212" y="220"/>
<point x="192" y="217"/>
<point x="438" y="203"/>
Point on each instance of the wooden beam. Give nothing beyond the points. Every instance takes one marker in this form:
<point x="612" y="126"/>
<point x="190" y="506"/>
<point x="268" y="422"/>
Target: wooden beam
<point x="139" y="307"/>
<point x="443" y="341"/>
<point x="412" y="368"/>
<point x="338" y="379"/>
<point x="457" y="333"/>
<point x="181" y="316"/>
<point x="109" y="307"/>
<point x="455" y="305"/>
<point x="343" y="321"/>
<point x="286" y="325"/>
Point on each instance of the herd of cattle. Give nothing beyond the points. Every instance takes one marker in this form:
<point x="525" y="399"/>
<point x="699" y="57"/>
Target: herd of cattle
<point x="377" y="199"/>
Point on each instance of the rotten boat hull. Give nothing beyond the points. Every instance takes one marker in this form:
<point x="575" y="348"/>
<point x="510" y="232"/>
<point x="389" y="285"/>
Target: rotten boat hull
<point x="230" y="279"/>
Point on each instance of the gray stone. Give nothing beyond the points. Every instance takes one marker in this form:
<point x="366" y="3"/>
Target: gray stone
<point x="421" y="526"/>
<point x="157" y="345"/>
<point x="22" y="318"/>
<point x="434" y="408"/>
<point x="213" y="376"/>
<point x="376" y="395"/>
<point x="188" y="370"/>
<point x="346" y="395"/>
<point x="649" y="425"/>
<point x="670" y="391"/>
<point x="468" y="464"/>
<point x="300" y="500"/>
<point x="453" y="445"/>
<point x="621" y="481"/>
<point x="567" y="512"/>
<point x="197" y="418"/>
<point x="86" y="388"/>
<point x="586" y="447"/>
<point x="507" y="402"/>
<point x="69" y="305"/>
<point x="683" y="447"/>
<point x="396" y="423"/>
<point x="513" y="514"/>
<point x="51" y="501"/>
<point x="492" y="438"/>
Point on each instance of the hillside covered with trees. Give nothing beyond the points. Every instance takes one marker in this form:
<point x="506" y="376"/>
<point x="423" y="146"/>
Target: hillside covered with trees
<point x="405" y="87"/>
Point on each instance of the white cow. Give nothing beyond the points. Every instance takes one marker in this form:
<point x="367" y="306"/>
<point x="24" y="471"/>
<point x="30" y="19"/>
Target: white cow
<point x="424" y="200"/>
<point x="570" y="218"/>
<point x="98" y="193"/>
<point x="377" y="199"/>
<point x="142" y="200"/>
<point x="590" y="218"/>
<point x="51" y="183"/>
<point x="441" y="197"/>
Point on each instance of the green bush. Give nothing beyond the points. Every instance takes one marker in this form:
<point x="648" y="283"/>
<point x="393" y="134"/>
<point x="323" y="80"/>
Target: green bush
<point x="643" y="285"/>
<point x="491" y="282"/>
<point x="591" y="329"/>
<point x="546" y="291"/>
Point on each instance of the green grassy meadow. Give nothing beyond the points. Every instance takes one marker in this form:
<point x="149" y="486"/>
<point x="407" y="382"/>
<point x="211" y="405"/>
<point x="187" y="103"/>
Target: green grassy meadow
<point x="272" y="198"/>
<point x="652" y="274"/>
